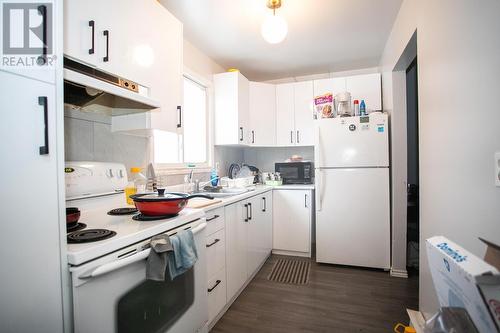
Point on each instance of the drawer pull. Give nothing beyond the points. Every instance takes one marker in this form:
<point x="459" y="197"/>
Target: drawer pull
<point x="215" y="286"/>
<point x="214" y="242"/>
<point x="213" y="218"/>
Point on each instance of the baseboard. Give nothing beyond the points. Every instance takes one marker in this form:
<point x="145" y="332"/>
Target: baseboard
<point x="231" y="301"/>
<point x="292" y="253"/>
<point x="400" y="273"/>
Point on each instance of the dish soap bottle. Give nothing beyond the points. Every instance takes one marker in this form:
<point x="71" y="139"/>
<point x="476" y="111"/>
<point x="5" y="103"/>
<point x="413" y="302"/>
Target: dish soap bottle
<point x="362" y="108"/>
<point x="214" y="179"/>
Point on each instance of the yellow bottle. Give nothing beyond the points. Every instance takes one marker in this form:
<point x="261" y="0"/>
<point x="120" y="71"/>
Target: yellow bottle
<point x="131" y="187"/>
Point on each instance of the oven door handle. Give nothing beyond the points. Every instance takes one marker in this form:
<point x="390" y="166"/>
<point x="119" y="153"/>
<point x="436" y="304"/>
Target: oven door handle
<point x="114" y="265"/>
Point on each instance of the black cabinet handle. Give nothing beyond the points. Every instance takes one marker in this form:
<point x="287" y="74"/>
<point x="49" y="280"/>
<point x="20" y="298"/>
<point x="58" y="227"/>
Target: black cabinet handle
<point x="265" y="204"/>
<point x="241" y="133"/>
<point x="106" y="34"/>
<point x="305" y="200"/>
<point x="291" y="136"/>
<point x="251" y="213"/>
<point x="213" y="243"/>
<point x="215" y="286"/>
<point x="92" y="25"/>
<point x="298" y="136"/>
<point x="42" y="59"/>
<point x="253" y="136"/>
<point x="179" y="112"/>
<point x="42" y="100"/>
<point x="213" y="218"/>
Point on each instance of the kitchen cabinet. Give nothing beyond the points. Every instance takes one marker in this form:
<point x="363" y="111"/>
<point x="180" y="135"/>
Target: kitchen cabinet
<point x="248" y="241"/>
<point x="259" y="230"/>
<point x="303" y="106"/>
<point x="216" y="262"/>
<point x="285" y="117"/>
<point x="32" y="153"/>
<point x="366" y="87"/>
<point x="149" y="53"/>
<point x="331" y="85"/>
<point x="236" y="247"/>
<point x="294" y="114"/>
<point x="231" y="91"/>
<point x="292" y="217"/>
<point x="262" y="114"/>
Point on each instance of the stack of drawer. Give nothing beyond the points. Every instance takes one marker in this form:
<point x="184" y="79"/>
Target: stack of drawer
<point x="216" y="262"/>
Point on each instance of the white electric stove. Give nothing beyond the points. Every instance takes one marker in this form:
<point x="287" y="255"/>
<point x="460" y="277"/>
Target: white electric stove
<point x="110" y="291"/>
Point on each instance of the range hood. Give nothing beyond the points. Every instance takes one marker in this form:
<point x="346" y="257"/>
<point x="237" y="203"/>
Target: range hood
<point x="90" y="89"/>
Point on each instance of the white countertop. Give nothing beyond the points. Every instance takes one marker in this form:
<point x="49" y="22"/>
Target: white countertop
<point x="259" y="189"/>
<point x="129" y="231"/>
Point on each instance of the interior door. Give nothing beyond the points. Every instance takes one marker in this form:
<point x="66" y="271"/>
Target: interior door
<point x="262" y="113"/>
<point x="291" y="220"/>
<point x="236" y="247"/>
<point x="304" y="123"/>
<point x="29" y="170"/>
<point x="352" y="142"/>
<point x="353" y="223"/>
<point x="285" y="115"/>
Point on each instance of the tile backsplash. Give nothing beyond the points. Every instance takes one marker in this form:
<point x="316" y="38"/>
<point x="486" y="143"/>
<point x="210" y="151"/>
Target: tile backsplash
<point x="88" y="137"/>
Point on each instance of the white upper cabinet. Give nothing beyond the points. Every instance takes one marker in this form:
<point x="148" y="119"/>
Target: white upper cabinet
<point x="231" y="109"/>
<point x="262" y="114"/>
<point x="285" y="115"/>
<point x="332" y="85"/>
<point x="304" y="122"/>
<point x="101" y="34"/>
<point x="294" y="116"/>
<point x="368" y="88"/>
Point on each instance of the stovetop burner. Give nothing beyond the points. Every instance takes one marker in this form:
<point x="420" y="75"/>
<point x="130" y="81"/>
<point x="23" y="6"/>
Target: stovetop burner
<point x="75" y="227"/>
<point x="89" y="235"/>
<point x="123" y="211"/>
<point x="142" y="217"/>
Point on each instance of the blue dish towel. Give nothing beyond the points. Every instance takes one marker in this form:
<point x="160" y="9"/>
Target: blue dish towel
<point x="184" y="254"/>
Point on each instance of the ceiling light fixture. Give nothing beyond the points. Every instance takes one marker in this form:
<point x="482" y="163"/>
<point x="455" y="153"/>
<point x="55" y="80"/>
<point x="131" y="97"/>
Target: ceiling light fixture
<point x="274" y="29"/>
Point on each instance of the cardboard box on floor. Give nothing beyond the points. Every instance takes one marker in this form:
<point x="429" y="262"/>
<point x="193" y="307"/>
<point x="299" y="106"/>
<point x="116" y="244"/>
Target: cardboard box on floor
<point x="463" y="280"/>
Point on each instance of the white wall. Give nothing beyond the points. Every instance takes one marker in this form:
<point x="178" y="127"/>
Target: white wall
<point x="458" y="53"/>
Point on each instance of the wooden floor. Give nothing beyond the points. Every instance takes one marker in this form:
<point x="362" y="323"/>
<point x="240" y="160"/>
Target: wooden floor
<point x="337" y="299"/>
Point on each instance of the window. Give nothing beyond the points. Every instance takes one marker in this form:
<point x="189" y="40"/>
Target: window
<point x="191" y="146"/>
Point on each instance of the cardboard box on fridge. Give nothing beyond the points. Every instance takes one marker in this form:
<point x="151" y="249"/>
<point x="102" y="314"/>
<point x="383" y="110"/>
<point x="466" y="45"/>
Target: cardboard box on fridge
<point x="463" y="280"/>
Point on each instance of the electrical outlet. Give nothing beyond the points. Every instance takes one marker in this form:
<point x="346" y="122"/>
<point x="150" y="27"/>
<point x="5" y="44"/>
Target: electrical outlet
<point x="497" y="169"/>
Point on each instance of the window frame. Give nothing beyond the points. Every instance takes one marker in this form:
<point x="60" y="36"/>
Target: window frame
<point x="185" y="167"/>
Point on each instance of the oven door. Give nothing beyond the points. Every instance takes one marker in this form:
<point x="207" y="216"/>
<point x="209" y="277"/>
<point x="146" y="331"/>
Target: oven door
<point x="111" y="294"/>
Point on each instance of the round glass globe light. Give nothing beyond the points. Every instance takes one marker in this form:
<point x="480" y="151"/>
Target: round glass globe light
<point x="274" y="29"/>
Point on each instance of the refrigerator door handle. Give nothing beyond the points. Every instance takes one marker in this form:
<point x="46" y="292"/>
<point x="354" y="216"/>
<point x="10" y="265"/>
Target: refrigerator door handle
<point x="319" y="197"/>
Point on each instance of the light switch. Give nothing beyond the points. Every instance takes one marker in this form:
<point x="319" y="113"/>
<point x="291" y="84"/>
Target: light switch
<point x="497" y="169"/>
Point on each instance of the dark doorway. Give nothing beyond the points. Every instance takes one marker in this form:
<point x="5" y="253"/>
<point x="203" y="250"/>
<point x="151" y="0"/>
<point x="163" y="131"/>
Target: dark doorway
<point x="413" y="227"/>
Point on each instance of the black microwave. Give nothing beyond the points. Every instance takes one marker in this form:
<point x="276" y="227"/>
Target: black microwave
<point x="295" y="172"/>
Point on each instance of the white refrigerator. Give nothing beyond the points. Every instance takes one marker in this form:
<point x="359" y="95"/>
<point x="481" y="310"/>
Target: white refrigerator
<point x="352" y="191"/>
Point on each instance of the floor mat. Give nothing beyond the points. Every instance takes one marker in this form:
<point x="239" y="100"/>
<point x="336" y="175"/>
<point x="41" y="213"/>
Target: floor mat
<point x="290" y="271"/>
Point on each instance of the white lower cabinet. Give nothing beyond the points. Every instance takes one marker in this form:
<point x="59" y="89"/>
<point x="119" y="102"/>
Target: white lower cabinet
<point x="248" y="240"/>
<point x="292" y="217"/>
<point x="216" y="262"/>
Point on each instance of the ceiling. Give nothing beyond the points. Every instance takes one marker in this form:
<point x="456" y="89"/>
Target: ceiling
<point x="323" y="35"/>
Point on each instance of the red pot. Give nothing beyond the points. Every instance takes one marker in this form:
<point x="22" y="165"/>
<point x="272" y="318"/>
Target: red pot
<point x="72" y="215"/>
<point x="161" y="203"/>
